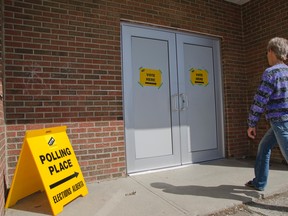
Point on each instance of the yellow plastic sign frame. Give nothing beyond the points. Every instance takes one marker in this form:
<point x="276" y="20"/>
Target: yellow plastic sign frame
<point x="150" y="77"/>
<point x="47" y="163"/>
<point x="199" y="77"/>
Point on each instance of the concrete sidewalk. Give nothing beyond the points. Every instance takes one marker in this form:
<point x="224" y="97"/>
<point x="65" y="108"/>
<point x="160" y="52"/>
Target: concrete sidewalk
<point x="197" y="189"/>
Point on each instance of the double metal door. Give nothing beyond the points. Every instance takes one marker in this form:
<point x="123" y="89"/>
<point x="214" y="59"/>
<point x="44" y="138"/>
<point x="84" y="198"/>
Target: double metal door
<point x="172" y="98"/>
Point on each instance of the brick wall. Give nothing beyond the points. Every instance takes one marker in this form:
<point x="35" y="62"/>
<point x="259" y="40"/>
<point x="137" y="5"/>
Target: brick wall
<point x="262" y="20"/>
<point x="63" y="67"/>
<point x="2" y="124"/>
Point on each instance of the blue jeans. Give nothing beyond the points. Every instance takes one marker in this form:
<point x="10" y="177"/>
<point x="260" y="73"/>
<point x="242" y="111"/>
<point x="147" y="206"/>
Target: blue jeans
<point x="277" y="134"/>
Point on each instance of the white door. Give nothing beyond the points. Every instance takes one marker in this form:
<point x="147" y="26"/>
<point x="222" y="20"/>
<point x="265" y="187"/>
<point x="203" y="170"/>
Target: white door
<point x="200" y="98"/>
<point x="163" y="124"/>
<point x="150" y="78"/>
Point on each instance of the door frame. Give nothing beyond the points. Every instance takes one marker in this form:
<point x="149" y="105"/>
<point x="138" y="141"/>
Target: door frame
<point x="218" y="96"/>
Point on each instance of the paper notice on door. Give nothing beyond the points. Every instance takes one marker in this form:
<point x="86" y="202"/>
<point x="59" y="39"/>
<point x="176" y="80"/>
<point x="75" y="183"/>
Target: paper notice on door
<point x="199" y="77"/>
<point x="150" y="77"/>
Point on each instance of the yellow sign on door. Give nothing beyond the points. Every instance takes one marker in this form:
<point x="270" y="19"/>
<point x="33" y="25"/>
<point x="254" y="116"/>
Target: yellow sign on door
<point x="47" y="163"/>
<point x="198" y="77"/>
<point x="150" y="77"/>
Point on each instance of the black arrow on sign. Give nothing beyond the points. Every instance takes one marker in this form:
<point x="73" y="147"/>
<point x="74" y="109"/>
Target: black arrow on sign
<point x="75" y="175"/>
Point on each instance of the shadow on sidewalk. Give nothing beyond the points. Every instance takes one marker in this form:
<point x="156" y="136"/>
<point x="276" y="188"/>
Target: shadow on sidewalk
<point x="36" y="203"/>
<point x="239" y="193"/>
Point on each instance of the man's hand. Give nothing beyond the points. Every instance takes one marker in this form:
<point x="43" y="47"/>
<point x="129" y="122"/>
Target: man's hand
<point x="251" y="132"/>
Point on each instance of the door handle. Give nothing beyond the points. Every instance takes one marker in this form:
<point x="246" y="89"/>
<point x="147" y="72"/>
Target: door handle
<point x="184" y="102"/>
<point x="175" y="99"/>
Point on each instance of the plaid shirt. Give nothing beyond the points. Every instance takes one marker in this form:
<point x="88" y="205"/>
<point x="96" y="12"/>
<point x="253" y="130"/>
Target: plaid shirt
<point x="271" y="96"/>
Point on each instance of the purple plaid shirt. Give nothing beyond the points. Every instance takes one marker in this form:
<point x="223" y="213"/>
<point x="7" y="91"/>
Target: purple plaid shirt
<point x="271" y="96"/>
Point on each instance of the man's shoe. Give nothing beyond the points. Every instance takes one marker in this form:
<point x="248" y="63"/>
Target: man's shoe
<point x="251" y="185"/>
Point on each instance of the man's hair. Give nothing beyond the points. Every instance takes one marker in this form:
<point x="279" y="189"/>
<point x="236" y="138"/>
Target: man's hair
<point x="279" y="46"/>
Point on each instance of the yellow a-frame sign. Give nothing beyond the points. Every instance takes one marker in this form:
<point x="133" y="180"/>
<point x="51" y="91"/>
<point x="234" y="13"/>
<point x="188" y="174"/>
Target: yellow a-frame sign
<point x="47" y="163"/>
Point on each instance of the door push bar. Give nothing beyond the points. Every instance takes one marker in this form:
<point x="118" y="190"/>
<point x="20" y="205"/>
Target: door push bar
<point x="184" y="102"/>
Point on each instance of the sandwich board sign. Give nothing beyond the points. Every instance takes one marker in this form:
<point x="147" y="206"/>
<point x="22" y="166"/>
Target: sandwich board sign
<point x="47" y="163"/>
